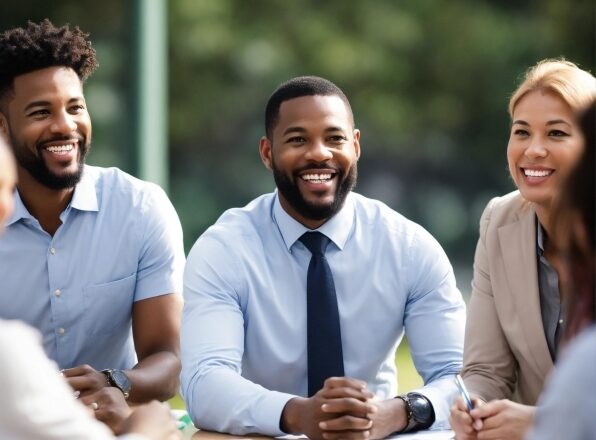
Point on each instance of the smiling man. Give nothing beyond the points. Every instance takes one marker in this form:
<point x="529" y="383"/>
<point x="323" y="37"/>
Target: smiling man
<point x="92" y="257"/>
<point x="296" y="303"/>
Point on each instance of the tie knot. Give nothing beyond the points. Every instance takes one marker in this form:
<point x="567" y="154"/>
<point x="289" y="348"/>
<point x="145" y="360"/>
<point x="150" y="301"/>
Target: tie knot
<point x="315" y="242"/>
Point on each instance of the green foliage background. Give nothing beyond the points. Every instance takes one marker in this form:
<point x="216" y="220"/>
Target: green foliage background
<point x="428" y="80"/>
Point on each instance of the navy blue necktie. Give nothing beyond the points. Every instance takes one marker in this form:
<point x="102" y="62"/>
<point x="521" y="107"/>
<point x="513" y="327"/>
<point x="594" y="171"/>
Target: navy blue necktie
<point x="325" y="356"/>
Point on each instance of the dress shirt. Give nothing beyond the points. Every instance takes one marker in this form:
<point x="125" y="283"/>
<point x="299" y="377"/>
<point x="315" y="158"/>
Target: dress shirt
<point x="551" y="308"/>
<point x="120" y="241"/>
<point x="36" y="402"/>
<point x="567" y="407"/>
<point x="243" y="338"/>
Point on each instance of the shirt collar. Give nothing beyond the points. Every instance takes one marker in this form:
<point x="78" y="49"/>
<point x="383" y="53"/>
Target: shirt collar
<point x="83" y="199"/>
<point x="337" y="228"/>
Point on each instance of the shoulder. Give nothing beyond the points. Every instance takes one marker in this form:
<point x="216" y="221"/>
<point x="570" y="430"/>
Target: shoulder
<point x="377" y="218"/>
<point x="118" y="189"/>
<point x="506" y="208"/>
<point x="240" y="226"/>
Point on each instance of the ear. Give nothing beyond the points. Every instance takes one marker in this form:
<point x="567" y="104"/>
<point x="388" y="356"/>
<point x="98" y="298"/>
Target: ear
<point x="357" y="143"/>
<point x="265" y="152"/>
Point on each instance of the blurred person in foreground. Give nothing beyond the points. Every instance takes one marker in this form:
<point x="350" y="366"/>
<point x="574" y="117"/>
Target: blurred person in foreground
<point x="36" y="402"/>
<point x="296" y="303"/>
<point x="92" y="257"/>
<point x="516" y="316"/>
<point x="567" y="408"/>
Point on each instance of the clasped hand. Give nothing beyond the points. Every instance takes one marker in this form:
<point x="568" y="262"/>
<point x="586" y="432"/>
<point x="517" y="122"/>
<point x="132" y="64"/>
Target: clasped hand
<point x="342" y="409"/>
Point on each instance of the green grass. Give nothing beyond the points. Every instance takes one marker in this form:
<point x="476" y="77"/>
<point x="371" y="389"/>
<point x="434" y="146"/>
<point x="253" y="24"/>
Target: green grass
<point x="408" y="377"/>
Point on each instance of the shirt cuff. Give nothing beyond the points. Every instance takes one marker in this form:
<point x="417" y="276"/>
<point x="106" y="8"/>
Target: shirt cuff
<point x="441" y="394"/>
<point x="268" y="413"/>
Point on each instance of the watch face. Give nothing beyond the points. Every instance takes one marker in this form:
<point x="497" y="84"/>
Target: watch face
<point x="121" y="381"/>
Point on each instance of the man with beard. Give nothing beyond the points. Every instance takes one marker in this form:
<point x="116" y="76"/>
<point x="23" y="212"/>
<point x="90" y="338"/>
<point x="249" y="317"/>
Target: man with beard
<point x="92" y="257"/>
<point x="260" y="351"/>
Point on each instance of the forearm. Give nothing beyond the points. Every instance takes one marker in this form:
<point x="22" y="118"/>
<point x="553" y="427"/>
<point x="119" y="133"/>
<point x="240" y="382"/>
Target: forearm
<point x="219" y="399"/>
<point x="154" y="377"/>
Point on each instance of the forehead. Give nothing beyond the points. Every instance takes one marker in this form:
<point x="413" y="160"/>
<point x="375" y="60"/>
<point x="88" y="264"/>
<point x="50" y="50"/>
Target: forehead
<point x="314" y="111"/>
<point x="45" y="84"/>
<point x="543" y="104"/>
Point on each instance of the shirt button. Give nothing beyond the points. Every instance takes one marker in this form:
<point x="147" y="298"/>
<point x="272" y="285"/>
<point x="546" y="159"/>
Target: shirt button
<point x="560" y="321"/>
<point x="52" y="250"/>
<point x="57" y="292"/>
<point x="61" y="331"/>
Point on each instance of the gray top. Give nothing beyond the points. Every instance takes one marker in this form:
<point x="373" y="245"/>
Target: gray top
<point x="567" y="408"/>
<point x="550" y="299"/>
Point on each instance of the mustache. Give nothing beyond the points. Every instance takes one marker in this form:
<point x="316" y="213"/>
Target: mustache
<point x="318" y="166"/>
<point x="77" y="138"/>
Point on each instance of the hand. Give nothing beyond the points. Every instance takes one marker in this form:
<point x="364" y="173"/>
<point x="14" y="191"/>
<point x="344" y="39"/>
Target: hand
<point x="503" y="419"/>
<point x="152" y="420"/>
<point x="339" y="409"/>
<point x="390" y="417"/>
<point x="463" y="424"/>
<point x="109" y="407"/>
<point x="85" y="379"/>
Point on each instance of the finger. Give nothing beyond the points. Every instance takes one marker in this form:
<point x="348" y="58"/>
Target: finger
<point x="337" y="392"/>
<point x="487" y="410"/>
<point x="349" y="405"/>
<point x="333" y="382"/>
<point x="82" y="383"/>
<point x="79" y="370"/>
<point x="346" y="423"/>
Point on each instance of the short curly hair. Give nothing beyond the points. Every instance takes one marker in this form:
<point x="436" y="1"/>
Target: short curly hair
<point x="37" y="46"/>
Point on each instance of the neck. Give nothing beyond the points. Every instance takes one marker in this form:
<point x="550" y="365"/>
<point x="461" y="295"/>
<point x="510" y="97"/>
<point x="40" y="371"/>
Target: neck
<point x="45" y="204"/>
<point x="543" y="213"/>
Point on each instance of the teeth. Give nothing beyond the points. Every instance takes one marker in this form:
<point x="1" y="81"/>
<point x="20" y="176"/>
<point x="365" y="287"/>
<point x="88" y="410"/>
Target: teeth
<point x="60" y="149"/>
<point x="316" y="178"/>
<point x="537" y="173"/>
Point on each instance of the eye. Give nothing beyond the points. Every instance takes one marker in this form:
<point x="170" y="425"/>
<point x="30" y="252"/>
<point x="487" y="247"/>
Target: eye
<point x="38" y="114"/>
<point x="337" y="139"/>
<point x="75" y="109"/>
<point x="557" y="133"/>
<point x="521" y="132"/>
<point x="296" y="140"/>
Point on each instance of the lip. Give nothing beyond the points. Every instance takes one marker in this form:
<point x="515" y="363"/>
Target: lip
<point x="536" y="180"/>
<point x="60" y="156"/>
<point x="314" y="185"/>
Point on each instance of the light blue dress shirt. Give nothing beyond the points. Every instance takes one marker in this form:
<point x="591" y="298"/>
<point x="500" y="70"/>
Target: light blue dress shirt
<point x="120" y="241"/>
<point x="243" y="335"/>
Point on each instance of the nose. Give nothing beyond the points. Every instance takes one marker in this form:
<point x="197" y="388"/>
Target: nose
<point x="536" y="149"/>
<point x="63" y="123"/>
<point x="319" y="152"/>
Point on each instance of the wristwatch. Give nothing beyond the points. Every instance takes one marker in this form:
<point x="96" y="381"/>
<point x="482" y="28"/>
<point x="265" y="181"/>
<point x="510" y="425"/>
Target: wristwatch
<point x="420" y="413"/>
<point x="118" y="379"/>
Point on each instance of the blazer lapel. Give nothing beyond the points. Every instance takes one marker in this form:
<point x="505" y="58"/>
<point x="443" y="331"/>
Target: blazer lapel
<point x="522" y="276"/>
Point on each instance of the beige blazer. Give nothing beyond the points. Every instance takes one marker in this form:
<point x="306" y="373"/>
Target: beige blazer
<point x="505" y="352"/>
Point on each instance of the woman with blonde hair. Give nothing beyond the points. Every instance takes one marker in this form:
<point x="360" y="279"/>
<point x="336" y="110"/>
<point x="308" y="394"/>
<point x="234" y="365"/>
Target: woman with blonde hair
<point x="516" y="317"/>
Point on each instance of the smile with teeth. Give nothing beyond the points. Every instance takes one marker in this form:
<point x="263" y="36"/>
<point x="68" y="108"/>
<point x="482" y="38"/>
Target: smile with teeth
<point x="317" y="178"/>
<point x="60" y="149"/>
<point x="537" y="173"/>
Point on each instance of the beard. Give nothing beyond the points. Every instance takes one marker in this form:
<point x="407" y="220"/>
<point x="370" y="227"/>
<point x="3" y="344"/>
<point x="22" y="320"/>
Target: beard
<point x="288" y="188"/>
<point x="39" y="170"/>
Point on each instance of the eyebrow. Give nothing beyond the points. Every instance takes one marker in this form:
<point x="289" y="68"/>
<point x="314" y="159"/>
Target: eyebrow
<point x="304" y="130"/>
<point x="552" y="122"/>
<point x="47" y="103"/>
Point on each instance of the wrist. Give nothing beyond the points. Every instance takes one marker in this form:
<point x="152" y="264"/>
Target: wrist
<point x="420" y="413"/>
<point x="289" y="421"/>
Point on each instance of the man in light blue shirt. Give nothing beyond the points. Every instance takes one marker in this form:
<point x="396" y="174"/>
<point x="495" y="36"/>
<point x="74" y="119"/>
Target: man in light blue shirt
<point x="92" y="257"/>
<point x="244" y="327"/>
